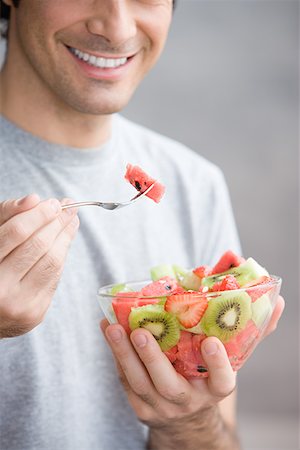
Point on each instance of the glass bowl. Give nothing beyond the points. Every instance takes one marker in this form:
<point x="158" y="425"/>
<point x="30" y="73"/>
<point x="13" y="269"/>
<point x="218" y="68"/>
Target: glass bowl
<point x="237" y="317"/>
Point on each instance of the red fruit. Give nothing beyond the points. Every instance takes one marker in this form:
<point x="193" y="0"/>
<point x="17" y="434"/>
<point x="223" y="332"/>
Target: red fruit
<point x="163" y="286"/>
<point x="189" y="308"/>
<point x="127" y="295"/>
<point x="172" y="353"/>
<point x="141" y="181"/>
<point x="189" y="361"/>
<point x="227" y="261"/>
<point x="239" y="347"/>
<point x="258" y="287"/>
<point x="122" y="308"/>
<point x="202" y="271"/>
<point x="228" y="283"/>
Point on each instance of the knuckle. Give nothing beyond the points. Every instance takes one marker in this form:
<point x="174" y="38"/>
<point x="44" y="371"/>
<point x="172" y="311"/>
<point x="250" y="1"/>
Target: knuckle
<point x="150" y="400"/>
<point x="52" y="264"/>
<point x="225" y="390"/>
<point x="178" y="398"/>
<point x="17" y="231"/>
<point x="141" y="389"/>
<point x="37" y="245"/>
<point x="149" y="357"/>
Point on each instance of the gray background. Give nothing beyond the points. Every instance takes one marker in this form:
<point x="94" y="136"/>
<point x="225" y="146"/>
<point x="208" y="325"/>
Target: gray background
<point x="227" y="86"/>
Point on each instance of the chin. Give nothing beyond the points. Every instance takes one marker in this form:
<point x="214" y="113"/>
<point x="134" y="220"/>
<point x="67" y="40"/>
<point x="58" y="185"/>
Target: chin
<point x="95" y="105"/>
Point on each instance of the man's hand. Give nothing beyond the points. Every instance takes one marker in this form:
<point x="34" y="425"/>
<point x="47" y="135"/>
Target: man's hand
<point x="34" y="239"/>
<point x="180" y="413"/>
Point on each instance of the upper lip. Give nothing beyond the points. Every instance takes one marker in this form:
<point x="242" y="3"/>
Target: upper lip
<point x="106" y="55"/>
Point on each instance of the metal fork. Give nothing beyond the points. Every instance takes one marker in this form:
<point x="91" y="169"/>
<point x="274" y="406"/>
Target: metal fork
<point x="110" y="205"/>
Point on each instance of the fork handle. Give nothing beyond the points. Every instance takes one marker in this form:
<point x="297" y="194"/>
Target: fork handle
<point x="78" y="204"/>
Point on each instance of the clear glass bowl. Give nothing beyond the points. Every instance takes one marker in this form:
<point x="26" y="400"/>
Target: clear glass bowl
<point x="240" y="341"/>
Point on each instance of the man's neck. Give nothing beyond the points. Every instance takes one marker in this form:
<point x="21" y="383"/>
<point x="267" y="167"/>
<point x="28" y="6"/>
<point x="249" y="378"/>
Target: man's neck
<point x="46" y="116"/>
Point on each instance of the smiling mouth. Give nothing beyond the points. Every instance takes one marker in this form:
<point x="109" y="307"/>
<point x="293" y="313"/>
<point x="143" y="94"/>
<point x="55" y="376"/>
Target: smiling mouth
<point x="101" y="62"/>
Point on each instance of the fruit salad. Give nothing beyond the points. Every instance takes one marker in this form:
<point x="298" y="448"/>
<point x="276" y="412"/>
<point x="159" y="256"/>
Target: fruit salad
<point x="233" y="301"/>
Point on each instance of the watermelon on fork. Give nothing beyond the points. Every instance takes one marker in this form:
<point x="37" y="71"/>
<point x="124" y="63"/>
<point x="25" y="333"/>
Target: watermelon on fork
<point x="141" y="181"/>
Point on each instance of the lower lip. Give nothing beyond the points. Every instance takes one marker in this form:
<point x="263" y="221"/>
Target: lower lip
<point x="109" y="73"/>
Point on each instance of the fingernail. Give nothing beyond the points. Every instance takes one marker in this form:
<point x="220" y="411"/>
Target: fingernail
<point x="115" y="335"/>
<point x="210" y="348"/>
<point x="140" y="340"/>
<point x="21" y="200"/>
<point x="55" y="205"/>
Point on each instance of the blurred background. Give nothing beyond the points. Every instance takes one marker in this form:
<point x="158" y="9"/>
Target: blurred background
<point x="227" y="86"/>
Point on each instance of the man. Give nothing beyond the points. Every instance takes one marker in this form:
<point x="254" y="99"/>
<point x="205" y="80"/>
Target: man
<point x="71" y="65"/>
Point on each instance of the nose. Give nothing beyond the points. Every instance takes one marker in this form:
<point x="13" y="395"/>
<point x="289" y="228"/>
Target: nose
<point x="114" y="20"/>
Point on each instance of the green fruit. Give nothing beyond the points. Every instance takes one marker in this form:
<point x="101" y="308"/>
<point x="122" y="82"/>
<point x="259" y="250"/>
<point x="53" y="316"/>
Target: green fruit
<point x="163" y="270"/>
<point x="190" y="282"/>
<point x="226" y="315"/>
<point x="261" y="310"/>
<point x="119" y="288"/>
<point x="180" y="272"/>
<point x="248" y="271"/>
<point x="163" y="325"/>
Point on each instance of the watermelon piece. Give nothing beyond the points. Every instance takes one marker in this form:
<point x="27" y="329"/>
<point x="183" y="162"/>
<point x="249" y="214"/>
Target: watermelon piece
<point x="203" y="271"/>
<point x="171" y="354"/>
<point x="122" y="307"/>
<point x="241" y="345"/>
<point x="163" y="286"/>
<point x="228" y="283"/>
<point x="189" y="361"/>
<point x="141" y="181"/>
<point x="259" y="287"/>
<point x="228" y="260"/>
<point x="188" y="308"/>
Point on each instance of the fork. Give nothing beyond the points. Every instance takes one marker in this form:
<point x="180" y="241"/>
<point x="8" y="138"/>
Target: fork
<point x="109" y="205"/>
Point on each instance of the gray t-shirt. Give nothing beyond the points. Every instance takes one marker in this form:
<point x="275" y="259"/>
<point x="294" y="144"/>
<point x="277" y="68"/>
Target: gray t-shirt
<point x="58" y="384"/>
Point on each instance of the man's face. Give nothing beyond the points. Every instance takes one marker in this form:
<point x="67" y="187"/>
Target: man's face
<point x="91" y="54"/>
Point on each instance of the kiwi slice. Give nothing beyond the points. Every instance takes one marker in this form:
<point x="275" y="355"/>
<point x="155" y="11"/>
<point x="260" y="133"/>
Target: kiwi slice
<point x="163" y="325"/>
<point x="261" y="310"/>
<point x="248" y="271"/>
<point x="226" y="315"/>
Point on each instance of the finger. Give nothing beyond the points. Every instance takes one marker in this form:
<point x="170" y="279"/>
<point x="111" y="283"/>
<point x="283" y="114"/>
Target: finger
<point x="20" y="227"/>
<point x="278" y="310"/>
<point x="133" y="368"/>
<point x="143" y="410"/>
<point x="172" y="387"/>
<point x="45" y="274"/>
<point x="222" y="379"/>
<point x="15" y="266"/>
<point x="10" y="208"/>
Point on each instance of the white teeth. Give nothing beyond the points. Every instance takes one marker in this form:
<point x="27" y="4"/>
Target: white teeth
<point x="98" y="61"/>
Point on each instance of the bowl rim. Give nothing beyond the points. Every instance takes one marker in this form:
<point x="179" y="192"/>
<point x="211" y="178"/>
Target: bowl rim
<point x="274" y="281"/>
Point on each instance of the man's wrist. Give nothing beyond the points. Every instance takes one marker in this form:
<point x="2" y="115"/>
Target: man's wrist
<point x="205" y="429"/>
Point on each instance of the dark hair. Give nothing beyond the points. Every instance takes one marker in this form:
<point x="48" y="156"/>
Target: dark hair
<point x="5" y="10"/>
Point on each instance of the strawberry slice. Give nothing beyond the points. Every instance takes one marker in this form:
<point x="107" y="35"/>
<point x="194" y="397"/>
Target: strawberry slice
<point x="188" y="308"/>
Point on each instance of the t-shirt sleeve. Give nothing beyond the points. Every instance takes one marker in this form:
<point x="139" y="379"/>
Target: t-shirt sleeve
<point x="219" y="227"/>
